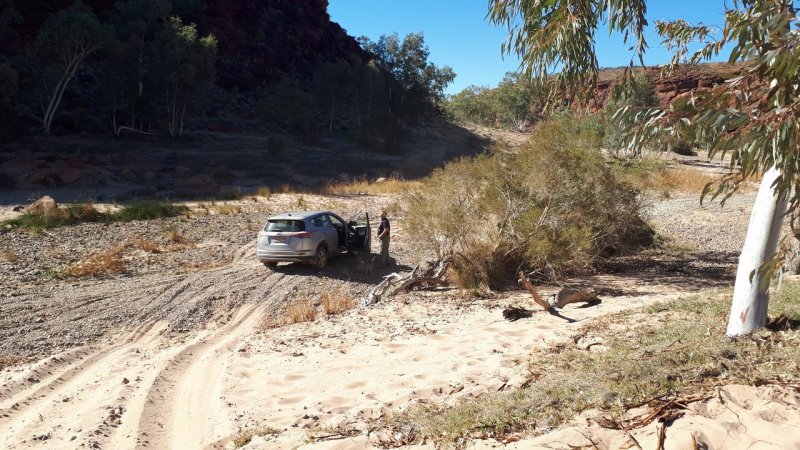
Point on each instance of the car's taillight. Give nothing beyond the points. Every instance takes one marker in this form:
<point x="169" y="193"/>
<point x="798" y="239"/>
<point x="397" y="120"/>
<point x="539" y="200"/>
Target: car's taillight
<point x="301" y="235"/>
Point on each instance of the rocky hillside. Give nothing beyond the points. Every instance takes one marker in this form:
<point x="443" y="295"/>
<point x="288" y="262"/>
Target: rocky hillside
<point x="259" y="40"/>
<point x="670" y="86"/>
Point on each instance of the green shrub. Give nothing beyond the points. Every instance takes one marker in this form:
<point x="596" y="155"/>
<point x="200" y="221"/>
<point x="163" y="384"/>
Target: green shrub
<point x="553" y="203"/>
<point x="683" y="148"/>
<point x="148" y="211"/>
<point x="67" y="215"/>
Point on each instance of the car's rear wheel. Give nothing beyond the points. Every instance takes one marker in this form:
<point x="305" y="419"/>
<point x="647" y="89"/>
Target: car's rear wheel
<point x="271" y="264"/>
<point x="321" y="258"/>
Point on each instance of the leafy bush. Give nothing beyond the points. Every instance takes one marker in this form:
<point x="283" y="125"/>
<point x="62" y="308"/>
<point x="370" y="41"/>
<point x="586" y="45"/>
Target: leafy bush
<point x="554" y="203"/>
<point x="86" y="212"/>
<point x="148" y="211"/>
<point x="68" y="215"/>
<point x="684" y="148"/>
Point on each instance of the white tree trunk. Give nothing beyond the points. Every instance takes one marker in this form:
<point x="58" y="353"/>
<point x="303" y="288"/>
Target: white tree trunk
<point x="749" y="306"/>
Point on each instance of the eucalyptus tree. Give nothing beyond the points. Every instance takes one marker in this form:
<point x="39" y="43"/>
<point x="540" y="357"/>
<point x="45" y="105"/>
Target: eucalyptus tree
<point x="513" y="100"/>
<point x="421" y="83"/>
<point x="759" y="127"/>
<point x="8" y="74"/>
<point x="472" y="104"/>
<point x="63" y="44"/>
<point x="185" y="69"/>
<point x="335" y="84"/>
<point x="133" y="61"/>
<point x="635" y="92"/>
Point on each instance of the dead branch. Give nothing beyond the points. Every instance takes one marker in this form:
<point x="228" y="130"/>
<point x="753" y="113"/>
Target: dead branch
<point x="564" y="297"/>
<point x="567" y="296"/>
<point x="533" y="292"/>
<point x="395" y="282"/>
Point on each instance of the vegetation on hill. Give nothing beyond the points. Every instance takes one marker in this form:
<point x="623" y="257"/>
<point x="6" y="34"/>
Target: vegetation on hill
<point x="157" y="66"/>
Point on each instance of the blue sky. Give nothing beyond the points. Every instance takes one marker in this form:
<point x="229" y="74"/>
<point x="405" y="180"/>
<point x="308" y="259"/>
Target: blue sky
<point x="459" y="36"/>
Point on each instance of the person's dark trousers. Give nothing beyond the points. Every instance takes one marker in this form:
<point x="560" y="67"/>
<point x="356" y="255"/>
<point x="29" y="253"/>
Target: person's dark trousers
<point x="385" y="250"/>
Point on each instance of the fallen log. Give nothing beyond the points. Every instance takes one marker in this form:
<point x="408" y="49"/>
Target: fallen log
<point x="566" y="296"/>
<point x="562" y="298"/>
<point x="395" y="282"/>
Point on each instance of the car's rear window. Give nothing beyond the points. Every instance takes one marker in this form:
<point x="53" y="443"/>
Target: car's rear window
<point x="285" y="225"/>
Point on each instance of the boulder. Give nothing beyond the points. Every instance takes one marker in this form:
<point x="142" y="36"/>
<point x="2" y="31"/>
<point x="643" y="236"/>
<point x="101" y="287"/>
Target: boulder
<point x="128" y="175"/>
<point x="180" y="170"/>
<point x="101" y="160"/>
<point x="138" y="170"/>
<point x="90" y="170"/>
<point x="68" y="176"/>
<point x="45" y="204"/>
<point x="197" y="184"/>
<point x="123" y="158"/>
<point x="149" y="175"/>
<point x="38" y="177"/>
<point x="75" y="163"/>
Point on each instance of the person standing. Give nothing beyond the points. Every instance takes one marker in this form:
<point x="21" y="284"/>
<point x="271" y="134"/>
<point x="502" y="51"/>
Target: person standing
<point x="384" y="235"/>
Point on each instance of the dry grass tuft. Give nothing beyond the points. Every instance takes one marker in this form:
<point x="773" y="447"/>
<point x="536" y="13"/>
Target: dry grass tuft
<point x="683" y="180"/>
<point x="11" y="256"/>
<point x="365" y="187"/>
<point x="228" y="209"/>
<point x="177" y="240"/>
<point x="107" y="262"/>
<point x="301" y="311"/>
<point x="337" y="302"/>
<point x="263" y="192"/>
<point x="246" y="436"/>
<point x="298" y="311"/>
<point x="147" y="245"/>
<point x="7" y="360"/>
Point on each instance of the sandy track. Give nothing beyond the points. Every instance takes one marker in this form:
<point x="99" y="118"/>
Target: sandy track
<point x="162" y="387"/>
<point x="163" y="371"/>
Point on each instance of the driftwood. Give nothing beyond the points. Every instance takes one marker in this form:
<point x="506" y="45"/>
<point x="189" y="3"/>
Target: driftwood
<point x="562" y="298"/>
<point x="395" y="282"/>
<point x="566" y="296"/>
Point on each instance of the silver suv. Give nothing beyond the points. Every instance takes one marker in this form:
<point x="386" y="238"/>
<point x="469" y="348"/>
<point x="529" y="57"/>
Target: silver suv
<point x="311" y="236"/>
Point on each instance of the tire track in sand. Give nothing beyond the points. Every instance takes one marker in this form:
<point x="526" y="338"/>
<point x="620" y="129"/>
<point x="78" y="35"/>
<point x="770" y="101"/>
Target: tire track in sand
<point x="70" y="397"/>
<point x="185" y="408"/>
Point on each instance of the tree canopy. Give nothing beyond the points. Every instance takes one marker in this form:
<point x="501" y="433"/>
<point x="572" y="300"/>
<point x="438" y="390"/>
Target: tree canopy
<point x="754" y="115"/>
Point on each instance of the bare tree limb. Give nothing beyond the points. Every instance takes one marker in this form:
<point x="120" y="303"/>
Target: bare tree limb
<point x="533" y="292"/>
<point x="395" y="282"/>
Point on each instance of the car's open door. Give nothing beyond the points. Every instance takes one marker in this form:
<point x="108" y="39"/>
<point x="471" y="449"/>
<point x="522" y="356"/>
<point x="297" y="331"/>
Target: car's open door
<point x="359" y="232"/>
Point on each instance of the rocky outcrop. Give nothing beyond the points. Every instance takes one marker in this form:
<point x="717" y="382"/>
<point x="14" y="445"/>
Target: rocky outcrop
<point x="679" y="83"/>
<point x="197" y="185"/>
